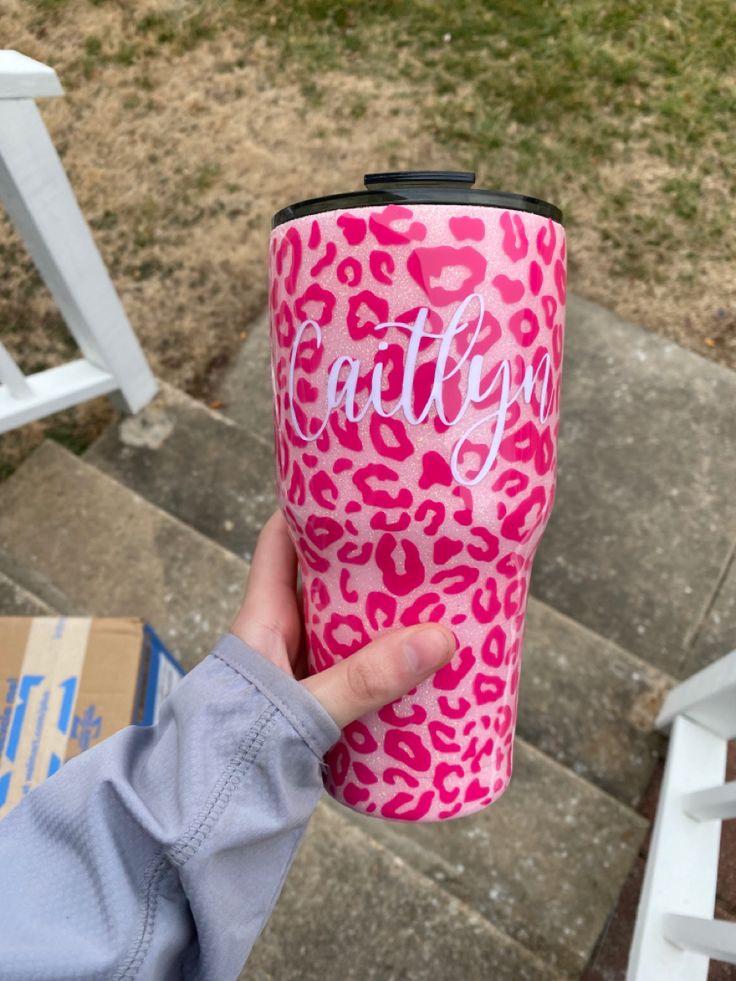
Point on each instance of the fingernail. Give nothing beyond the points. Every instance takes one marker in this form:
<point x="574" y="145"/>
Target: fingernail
<point x="426" y="649"/>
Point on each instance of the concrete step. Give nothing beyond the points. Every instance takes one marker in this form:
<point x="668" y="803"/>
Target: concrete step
<point x="106" y="551"/>
<point x="545" y="863"/>
<point x="644" y="525"/>
<point x="584" y="700"/>
<point x="196" y="464"/>
<point x="15" y="601"/>
<point x="246" y="390"/>
<point x="590" y="704"/>
<point x="352" y="911"/>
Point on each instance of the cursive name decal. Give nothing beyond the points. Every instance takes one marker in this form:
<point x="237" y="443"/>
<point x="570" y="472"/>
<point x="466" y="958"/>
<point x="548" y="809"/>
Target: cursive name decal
<point x="341" y="391"/>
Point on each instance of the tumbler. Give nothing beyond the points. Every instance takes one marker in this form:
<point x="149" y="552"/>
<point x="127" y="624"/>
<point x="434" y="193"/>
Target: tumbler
<point x="416" y="349"/>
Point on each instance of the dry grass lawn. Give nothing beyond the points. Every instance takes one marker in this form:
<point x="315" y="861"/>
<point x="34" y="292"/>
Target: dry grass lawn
<point x="185" y="125"/>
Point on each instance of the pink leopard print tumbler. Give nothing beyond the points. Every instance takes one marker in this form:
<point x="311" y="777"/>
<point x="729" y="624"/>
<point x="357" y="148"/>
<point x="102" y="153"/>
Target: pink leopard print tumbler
<point x="417" y="331"/>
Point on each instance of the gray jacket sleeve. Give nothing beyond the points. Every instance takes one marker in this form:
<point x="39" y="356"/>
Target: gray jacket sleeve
<point x="160" y="852"/>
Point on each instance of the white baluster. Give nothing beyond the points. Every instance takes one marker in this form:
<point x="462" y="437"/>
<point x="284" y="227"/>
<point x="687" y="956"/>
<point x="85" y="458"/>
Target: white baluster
<point x="713" y="804"/>
<point x="12" y="376"/>
<point x="714" y="938"/>
<point x="708" y="697"/>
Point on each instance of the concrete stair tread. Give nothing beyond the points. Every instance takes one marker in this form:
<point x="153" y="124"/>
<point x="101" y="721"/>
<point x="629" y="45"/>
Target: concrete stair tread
<point x="107" y="551"/>
<point x="351" y="911"/>
<point x="15" y="601"/>
<point x="644" y="525"/>
<point x="585" y="701"/>
<point x="247" y="390"/>
<point x="196" y="464"/>
<point x="545" y="863"/>
<point x="590" y="704"/>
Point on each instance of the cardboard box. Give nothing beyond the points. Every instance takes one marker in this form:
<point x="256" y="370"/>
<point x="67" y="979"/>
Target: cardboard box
<point x="66" y="683"/>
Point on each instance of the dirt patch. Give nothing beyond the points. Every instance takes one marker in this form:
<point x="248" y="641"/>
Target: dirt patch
<point x="178" y="163"/>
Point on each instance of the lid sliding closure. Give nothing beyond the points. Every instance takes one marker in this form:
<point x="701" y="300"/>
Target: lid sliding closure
<point x="408" y="187"/>
<point x="400" y="178"/>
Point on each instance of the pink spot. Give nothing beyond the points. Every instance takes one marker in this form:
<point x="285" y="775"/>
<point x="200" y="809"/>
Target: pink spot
<point x="524" y="326"/>
<point x="315" y="235"/>
<point x="486" y="606"/>
<point x="453" y="711"/>
<point x="346" y="432"/>
<point x="546" y="239"/>
<point x="511" y="290"/>
<point x="549" y="303"/>
<point x="365" y="310"/>
<point x="488" y="688"/>
<point x="355" y="554"/>
<point x="494" y="647"/>
<point x="464" y="227"/>
<point x="535" y="277"/>
<point x="359" y="737"/>
<point x="364" y="773"/>
<point x="380" y="521"/>
<point x="397" y="582"/>
<point x="450" y="676"/>
<point x="476" y="790"/>
<point x="324" y="490"/>
<point x="441" y="733"/>
<point x="407" y="748"/>
<point x="323" y="531"/>
<point x="521" y="445"/>
<point x="338" y="760"/>
<point x="435" y="470"/>
<point x="511" y="482"/>
<point x="380" y="609"/>
<point x="445" y="549"/>
<point x="381" y="226"/>
<point x="345" y="633"/>
<point x="426" y="264"/>
<point x="389" y="715"/>
<point x="461" y="578"/>
<point x="521" y="524"/>
<point x="441" y="774"/>
<point x="388" y="436"/>
<point x="382" y="265"/>
<point x="352" y="228"/>
<point x="392" y="808"/>
<point x="561" y="280"/>
<point x="349" y="271"/>
<point x="489" y="551"/>
<point x="290" y="244"/>
<point x="515" y="242"/>
<point x="417" y="612"/>
<point x="365" y="480"/>
<point x="436" y="509"/>
<point x="316" y="304"/>
<point x="327" y="259"/>
<point x="353" y="794"/>
<point x="393" y="773"/>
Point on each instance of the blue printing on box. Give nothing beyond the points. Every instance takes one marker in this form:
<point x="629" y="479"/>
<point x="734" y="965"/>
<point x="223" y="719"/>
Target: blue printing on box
<point x="158" y="653"/>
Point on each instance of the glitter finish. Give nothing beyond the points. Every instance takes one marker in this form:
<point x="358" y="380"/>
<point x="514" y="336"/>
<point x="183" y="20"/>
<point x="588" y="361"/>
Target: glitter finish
<point x="416" y="358"/>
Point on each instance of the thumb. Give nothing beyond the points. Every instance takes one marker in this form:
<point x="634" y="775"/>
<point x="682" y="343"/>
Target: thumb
<point x="381" y="671"/>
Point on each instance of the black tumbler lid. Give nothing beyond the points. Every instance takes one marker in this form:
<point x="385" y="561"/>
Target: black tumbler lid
<point x="418" y="187"/>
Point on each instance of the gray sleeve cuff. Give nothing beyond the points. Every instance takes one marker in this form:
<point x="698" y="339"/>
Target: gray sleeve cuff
<point x="313" y="722"/>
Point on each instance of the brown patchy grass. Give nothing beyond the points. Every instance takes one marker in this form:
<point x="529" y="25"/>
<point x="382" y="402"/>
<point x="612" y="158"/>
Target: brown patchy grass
<point x="185" y="125"/>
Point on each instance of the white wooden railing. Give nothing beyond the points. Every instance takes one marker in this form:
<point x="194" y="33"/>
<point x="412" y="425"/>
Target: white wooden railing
<point x="676" y="935"/>
<point x="39" y="200"/>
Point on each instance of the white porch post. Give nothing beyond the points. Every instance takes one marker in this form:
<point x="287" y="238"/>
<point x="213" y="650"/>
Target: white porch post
<point x="41" y="204"/>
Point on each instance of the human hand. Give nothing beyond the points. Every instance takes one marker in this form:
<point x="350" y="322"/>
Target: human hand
<point x="270" y="621"/>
